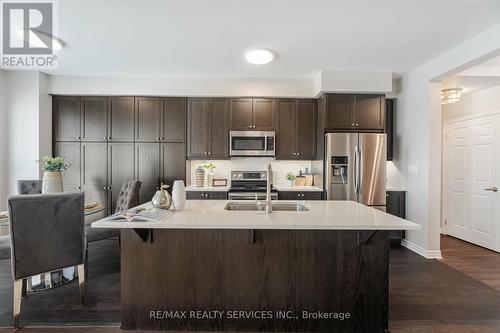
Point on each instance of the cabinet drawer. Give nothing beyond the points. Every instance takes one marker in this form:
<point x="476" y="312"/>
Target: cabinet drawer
<point x="296" y="195"/>
<point x="209" y="195"/>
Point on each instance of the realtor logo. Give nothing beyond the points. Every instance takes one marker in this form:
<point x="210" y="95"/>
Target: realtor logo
<point x="27" y="35"/>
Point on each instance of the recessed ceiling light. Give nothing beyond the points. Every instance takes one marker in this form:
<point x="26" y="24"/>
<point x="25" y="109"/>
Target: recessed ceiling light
<point x="259" y="57"/>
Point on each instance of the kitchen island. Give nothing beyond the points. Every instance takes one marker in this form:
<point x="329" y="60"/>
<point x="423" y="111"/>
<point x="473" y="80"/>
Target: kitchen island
<point x="322" y="267"/>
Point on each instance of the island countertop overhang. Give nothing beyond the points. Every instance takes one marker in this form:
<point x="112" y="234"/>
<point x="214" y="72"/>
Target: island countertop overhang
<point x="321" y="215"/>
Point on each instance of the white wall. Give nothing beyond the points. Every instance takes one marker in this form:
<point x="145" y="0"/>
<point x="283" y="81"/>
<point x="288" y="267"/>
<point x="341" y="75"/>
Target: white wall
<point x="419" y="129"/>
<point x="28" y="126"/>
<point x="3" y="142"/>
<point x="331" y="81"/>
<point x="481" y="101"/>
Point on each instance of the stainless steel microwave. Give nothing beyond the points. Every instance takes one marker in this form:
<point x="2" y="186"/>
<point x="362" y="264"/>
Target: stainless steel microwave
<point x="252" y="143"/>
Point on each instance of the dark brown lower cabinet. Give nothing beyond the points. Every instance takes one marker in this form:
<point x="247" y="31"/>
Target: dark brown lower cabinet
<point x="94" y="173"/>
<point x="396" y="205"/>
<point x="72" y="154"/>
<point x="296" y="195"/>
<point x="100" y="168"/>
<point x="208" y="195"/>
<point x="121" y="167"/>
<point x="271" y="276"/>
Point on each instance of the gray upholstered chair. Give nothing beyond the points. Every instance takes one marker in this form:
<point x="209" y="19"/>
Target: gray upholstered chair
<point x="127" y="198"/>
<point x="47" y="233"/>
<point x="29" y="187"/>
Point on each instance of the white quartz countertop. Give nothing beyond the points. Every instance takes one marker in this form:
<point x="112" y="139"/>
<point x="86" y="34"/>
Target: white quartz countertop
<point x="194" y="188"/>
<point x="322" y="215"/>
<point x="299" y="188"/>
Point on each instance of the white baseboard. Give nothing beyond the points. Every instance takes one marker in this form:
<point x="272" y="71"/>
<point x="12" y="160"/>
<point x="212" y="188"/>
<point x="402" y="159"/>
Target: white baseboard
<point x="420" y="250"/>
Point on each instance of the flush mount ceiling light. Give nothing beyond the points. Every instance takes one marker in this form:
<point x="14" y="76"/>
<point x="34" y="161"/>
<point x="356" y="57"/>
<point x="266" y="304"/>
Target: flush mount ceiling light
<point x="451" y="95"/>
<point x="259" y="57"/>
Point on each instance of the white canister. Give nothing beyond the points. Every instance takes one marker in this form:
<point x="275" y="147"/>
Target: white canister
<point x="178" y="195"/>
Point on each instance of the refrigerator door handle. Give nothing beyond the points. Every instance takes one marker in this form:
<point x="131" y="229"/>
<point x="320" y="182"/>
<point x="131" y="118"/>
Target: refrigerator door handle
<point x="360" y="172"/>
<point x="355" y="169"/>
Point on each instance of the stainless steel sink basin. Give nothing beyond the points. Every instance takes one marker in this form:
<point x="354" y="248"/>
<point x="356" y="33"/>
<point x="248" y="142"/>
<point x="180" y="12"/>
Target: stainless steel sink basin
<point x="254" y="206"/>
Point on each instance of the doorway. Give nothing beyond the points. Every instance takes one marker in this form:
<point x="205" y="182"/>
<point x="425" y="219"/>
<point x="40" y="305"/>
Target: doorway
<point x="471" y="172"/>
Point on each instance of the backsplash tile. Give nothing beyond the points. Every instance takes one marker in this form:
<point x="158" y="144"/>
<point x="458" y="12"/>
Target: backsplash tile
<point x="224" y="167"/>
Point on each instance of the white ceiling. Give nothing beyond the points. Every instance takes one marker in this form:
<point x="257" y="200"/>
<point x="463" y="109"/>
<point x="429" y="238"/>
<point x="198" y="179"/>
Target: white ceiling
<point x="209" y="37"/>
<point x="482" y="76"/>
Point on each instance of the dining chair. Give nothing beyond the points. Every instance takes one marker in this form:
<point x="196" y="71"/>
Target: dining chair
<point x="127" y="198"/>
<point x="29" y="186"/>
<point x="53" y="224"/>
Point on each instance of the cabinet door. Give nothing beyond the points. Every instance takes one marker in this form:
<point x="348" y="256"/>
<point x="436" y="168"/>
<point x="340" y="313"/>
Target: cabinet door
<point x="94" y="118"/>
<point x="241" y="114"/>
<point x="121" y="167"/>
<point x="67" y="118"/>
<point x="121" y="119"/>
<point x="71" y="153"/>
<point x="306" y="129"/>
<point x="219" y="195"/>
<point x="285" y="134"/>
<point x="263" y="114"/>
<point x="370" y="112"/>
<point x="173" y="163"/>
<point x="174" y="120"/>
<point x="147" y="168"/>
<point x="94" y="172"/>
<point x="340" y="111"/>
<point x="219" y="129"/>
<point x="295" y="195"/>
<point x="198" y="119"/>
<point x="148" y="117"/>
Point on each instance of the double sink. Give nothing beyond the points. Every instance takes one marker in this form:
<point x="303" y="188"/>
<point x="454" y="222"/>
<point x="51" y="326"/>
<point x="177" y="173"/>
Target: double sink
<point x="261" y="206"/>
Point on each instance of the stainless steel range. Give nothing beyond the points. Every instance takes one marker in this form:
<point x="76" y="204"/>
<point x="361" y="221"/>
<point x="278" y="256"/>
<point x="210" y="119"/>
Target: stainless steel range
<point x="250" y="185"/>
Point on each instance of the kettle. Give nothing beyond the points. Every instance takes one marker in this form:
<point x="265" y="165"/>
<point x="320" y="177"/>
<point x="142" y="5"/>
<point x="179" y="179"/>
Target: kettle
<point x="161" y="198"/>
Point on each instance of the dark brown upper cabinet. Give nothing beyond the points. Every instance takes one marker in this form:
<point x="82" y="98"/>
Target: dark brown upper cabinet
<point x="67" y="118"/>
<point x="148" y="119"/>
<point x="252" y="114"/>
<point x="296" y="129"/>
<point x="173" y="120"/>
<point x="208" y="128"/>
<point x="354" y="112"/>
<point x="370" y="112"/>
<point x="340" y="111"/>
<point x="121" y="121"/>
<point x="94" y="118"/>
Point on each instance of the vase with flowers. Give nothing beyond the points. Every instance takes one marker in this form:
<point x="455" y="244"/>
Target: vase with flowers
<point x="52" y="178"/>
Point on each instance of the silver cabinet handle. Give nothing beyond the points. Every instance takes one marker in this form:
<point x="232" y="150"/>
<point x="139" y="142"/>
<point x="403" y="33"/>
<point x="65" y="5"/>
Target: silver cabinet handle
<point x="105" y="138"/>
<point x="357" y="124"/>
<point x="78" y="137"/>
<point x="352" y="124"/>
<point x="250" y="126"/>
<point x="493" y="189"/>
<point x="298" y="154"/>
<point x="209" y="153"/>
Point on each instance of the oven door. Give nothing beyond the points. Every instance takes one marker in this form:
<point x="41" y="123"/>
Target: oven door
<point x="252" y="143"/>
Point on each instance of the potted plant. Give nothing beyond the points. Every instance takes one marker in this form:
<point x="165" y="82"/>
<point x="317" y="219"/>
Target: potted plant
<point x="209" y="172"/>
<point x="52" y="179"/>
<point x="291" y="178"/>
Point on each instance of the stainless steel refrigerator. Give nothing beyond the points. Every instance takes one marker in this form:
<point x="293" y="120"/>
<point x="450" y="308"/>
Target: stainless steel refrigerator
<point x="355" y="167"/>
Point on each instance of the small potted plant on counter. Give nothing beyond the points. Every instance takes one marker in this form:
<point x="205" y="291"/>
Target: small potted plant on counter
<point x="209" y="173"/>
<point x="52" y="179"/>
<point x="291" y="178"/>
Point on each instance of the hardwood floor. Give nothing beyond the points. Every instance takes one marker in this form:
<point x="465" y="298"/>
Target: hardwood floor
<point x="477" y="262"/>
<point x="426" y="296"/>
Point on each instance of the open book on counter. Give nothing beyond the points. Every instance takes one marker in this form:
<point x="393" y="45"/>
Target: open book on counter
<point x="140" y="215"/>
